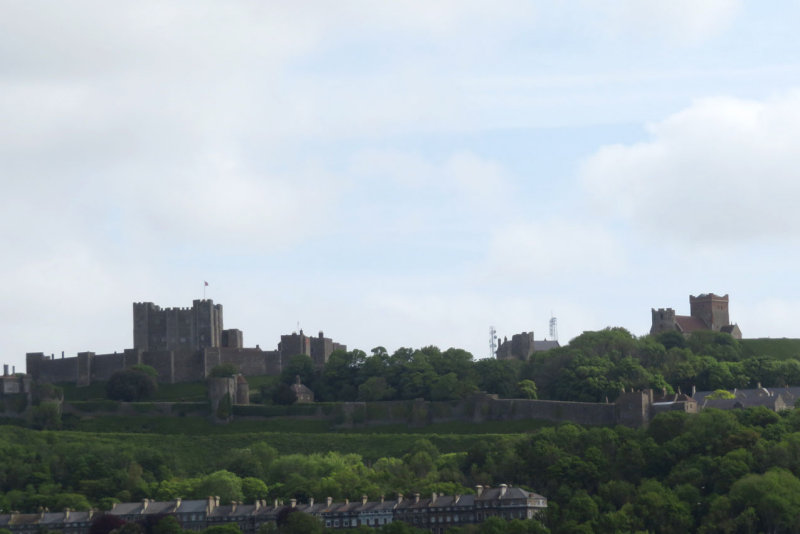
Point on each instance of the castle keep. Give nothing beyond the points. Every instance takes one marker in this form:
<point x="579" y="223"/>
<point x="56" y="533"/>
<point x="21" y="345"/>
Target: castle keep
<point x="183" y="345"/>
<point x="707" y="312"/>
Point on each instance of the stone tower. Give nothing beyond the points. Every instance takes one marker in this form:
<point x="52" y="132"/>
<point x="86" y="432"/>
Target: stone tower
<point x="192" y="328"/>
<point x="711" y="309"/>
<point x="663" y="320"/>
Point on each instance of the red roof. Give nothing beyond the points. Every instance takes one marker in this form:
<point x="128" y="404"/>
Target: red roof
<point x="688" y="324"/>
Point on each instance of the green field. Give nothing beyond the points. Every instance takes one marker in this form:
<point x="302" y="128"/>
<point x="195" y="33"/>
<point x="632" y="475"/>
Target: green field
<point x="778" y="348"/>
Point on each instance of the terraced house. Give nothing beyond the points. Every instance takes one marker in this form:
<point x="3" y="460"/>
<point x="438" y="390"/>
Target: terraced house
<point x="437" y="513"/>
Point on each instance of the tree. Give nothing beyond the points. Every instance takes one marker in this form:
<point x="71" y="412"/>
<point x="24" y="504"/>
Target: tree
<point x="297" y="522"/>
<point x="375" y="388"/>
<point x="299" y="365"/>
<point x="284" y="395"/>
<point x="47" y="416"/>
<point x="527" y="389"/>
<point x="720" y="394"/>
<point x="224" y="484"/>
<point x="131" y="385"/>
<point x="254" y="489"/>
<point x="168" y="525"/>
<point x="105" y="524"/>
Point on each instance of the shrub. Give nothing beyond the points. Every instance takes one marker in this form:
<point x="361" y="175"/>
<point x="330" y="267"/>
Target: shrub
<point x="225" y="370"/>
<point x="131" y="385"/>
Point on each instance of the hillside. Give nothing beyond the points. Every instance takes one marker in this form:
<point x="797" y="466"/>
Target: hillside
<point x="778" y="348"/>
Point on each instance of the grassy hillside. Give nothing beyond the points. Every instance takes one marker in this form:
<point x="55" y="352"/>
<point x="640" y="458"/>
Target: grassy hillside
<point x="778" y="348"/>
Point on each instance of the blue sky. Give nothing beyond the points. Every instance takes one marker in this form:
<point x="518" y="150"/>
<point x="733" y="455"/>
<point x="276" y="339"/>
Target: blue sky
<point x="396" y="174"/>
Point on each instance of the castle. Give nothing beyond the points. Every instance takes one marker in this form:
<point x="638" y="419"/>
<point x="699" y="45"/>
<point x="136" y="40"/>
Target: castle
<point x="707" y="312"/>
<point x="183" y="345"/>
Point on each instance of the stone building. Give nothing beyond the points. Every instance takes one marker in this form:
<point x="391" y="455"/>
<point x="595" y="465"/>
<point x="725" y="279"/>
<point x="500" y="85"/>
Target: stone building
<point x="522" y="346"/>
<point x="302" y="392"/>
<point x="707" y="312"/>
<point x="182" y="345"/>
<point x="317" y="348"/>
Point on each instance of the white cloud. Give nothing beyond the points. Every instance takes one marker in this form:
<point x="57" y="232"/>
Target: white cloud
<point x="554" y="248"/>
<point x="722" y="170"/>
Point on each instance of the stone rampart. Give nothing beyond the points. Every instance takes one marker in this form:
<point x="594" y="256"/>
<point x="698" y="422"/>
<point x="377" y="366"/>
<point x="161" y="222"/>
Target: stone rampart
<point x="105" y="365"/>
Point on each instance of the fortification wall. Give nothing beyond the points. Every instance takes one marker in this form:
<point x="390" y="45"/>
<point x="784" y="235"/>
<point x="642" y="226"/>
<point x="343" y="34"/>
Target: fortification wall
<point x="105" y="365"/>
<point x="188" y="366"/>
<point x="54" y="371"/>
<point x="250" y="362"/>
<point x="162" y="362"/>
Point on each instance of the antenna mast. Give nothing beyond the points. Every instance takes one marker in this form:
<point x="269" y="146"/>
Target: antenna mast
<point x="553" y="328"/>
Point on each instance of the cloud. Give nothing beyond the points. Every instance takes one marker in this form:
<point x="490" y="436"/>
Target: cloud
<point x="554" y="248"/>
<point x="722" y="170"/>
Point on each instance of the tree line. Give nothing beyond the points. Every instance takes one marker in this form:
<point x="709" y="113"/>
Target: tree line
<point x="594" y="367"/>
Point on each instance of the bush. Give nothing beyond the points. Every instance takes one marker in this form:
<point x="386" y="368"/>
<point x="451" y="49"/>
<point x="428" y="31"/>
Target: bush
<point x="131" y="385"/>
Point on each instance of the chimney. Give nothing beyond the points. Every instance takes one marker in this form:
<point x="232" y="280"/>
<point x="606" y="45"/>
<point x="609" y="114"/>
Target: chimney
<point x="363" y="500"/>
<point x="177" y="503"/>
<point x="456" y="498"/>
<point x="399" y="498"/>
<point x="14" y="371"/>
<point x="234" y="504"/>
<point x="478" y="490"/>
<point x="293" y="503"/>
<point x="433" y="497"/>
<point x="5" y="369"/>
<point x="310" y="502"/>
<point x="216" y="500"/>
<point x="381" y="499"/>
<point x="329" y="500"/>
<point x="416" y="498"/>
<point x="276" y="503"/>
<point x="66" y="514"/>
<point x="503" y="489"/>
<point x="694" y="390"/>
<point x="258" y="505"/>
<point x="113" y="505"/>
<point x="91" y="513"/>
<point x="346" y="501"/>
<point x="211" y="504"/>
<point x="145" y="502"/>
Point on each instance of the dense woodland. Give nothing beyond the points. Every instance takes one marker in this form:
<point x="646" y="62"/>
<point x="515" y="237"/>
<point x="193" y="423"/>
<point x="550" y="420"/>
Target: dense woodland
<point x="711" y="472"/>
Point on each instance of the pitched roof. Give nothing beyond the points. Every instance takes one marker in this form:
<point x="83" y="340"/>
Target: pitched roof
<point x="544" y="344"/>
<point x="687" y="323"/>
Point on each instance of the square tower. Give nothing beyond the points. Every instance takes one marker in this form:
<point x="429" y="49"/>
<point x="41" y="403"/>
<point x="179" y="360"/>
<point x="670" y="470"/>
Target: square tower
<point x="711" y="309"/>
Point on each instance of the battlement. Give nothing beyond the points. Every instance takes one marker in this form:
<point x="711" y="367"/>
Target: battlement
<point x="707" y="312"/>
<point x="192" y="328"/>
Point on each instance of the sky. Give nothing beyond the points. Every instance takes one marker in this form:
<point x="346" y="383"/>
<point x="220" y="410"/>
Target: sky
<point x="395" y="174"/>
